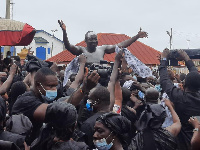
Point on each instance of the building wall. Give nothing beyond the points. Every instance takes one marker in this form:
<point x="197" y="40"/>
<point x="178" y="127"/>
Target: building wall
<point x="58" y="46"/>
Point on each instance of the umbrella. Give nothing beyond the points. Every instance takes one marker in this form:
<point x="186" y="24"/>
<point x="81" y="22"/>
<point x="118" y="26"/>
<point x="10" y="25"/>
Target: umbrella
<point x="15" y="33"/>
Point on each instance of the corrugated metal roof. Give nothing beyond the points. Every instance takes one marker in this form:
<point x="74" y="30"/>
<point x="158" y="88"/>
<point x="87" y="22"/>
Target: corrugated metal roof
<point x="64" y="56"/>
<point x="146" y="54"/>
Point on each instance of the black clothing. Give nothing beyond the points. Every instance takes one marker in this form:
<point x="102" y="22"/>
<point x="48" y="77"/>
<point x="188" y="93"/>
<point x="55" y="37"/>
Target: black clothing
<point x="70" y="145"/>
<point x="15" y="138"/>
<point x="187" y="104"/>
<point x="88" y="128"/>
<point x="26" y="104"/>
<point x="162" y="140"/>
<point x="7" y="145"/>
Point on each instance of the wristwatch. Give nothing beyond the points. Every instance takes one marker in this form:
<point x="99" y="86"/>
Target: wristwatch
<point x="195" y="129"/>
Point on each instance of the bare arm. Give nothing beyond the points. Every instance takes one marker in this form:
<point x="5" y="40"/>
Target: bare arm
<point x="6" y="85"/>
<point x="195" y="142"/>
<point x="111" y="48"/>
<point x="175" y="128"/>
<point x="118" y="94"/>
<point x="89" y="83"/>
<point x="113" y="79"/>
<point x="80" y="74"/>
<point x="75" y="50"/>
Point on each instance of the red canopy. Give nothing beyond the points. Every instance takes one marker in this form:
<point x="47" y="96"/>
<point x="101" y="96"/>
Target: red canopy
<point x="15" y="33"/>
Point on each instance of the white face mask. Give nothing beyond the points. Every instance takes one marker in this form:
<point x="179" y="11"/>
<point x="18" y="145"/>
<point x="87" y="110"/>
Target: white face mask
<point x="102" y="144"/>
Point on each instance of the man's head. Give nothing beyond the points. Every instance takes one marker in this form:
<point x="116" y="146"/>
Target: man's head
<point x="62" y="117"/>
<point x="91" y="40"/>
<point x="45" y="79"/>
<point x="99" y="98"/>
<point x="8" y="54"/>
<point x="192" y="81"/>
<point x="152" y="95"/>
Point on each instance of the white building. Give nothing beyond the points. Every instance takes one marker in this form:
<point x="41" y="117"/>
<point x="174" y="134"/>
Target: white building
<point x="42" y="45"/>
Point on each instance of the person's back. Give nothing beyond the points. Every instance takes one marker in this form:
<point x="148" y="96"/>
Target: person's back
<point x="12" y="137"/>
<point x="150" y="134"/>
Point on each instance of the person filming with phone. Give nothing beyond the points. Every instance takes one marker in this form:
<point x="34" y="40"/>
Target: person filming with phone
<point x="187" y="101"/>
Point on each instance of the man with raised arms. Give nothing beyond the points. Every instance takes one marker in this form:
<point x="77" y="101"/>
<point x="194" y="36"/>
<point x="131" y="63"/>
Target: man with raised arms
<point x="93" y="52"/>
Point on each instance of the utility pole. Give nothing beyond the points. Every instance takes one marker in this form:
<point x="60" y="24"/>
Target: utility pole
<point x="170" y="36"/>
<point x="53" y="31"/>
<point x="7" y="9"/>
<point x="11" y="5"/>
<point x="7" y="48"/>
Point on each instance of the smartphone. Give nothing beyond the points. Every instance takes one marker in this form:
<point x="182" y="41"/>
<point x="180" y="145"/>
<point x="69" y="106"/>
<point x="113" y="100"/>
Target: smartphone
<point x="141" y="95"/>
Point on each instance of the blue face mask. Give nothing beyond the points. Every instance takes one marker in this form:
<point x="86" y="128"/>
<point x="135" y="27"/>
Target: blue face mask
<point x="158" y="88"/>
<point x="102" y="144"/>
<point x="50" y="94"/>
<point x="89" y="106"/>
<point x="8" y="56"/>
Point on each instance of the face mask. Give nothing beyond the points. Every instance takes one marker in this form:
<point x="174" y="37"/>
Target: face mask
<point x="102" y="144"/>
<point x="50" y="94"/>
<point x="157" y="87"/>
<point x="134" y="77"/>
<point x="8" y="56"/>
<point x="89" y="106"/>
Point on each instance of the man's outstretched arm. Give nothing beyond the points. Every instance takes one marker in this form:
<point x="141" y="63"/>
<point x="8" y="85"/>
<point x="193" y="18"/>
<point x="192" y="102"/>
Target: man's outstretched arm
<point x="75" y="50"/>
<point x="111" y="48"/>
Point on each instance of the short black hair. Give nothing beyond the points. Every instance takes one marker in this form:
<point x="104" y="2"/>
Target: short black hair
<point x="86" y="35"/>
<point x="42" y="73"/>
<point x="192" y="81"/>
<point x="102" y="95"/>
<point x="17" y="58"/>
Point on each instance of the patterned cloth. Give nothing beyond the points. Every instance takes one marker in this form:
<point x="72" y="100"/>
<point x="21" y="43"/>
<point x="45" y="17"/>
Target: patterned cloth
<point x="135" y="64"/>
<point x="72" y="68"/>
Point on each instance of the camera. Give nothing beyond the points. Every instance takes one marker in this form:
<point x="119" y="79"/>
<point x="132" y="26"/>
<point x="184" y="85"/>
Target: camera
<point x="104" y="69"/>
<point x="173" y="55"/>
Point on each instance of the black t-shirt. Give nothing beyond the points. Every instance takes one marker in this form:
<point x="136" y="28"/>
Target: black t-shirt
<point x="12" y="137"/>
<point x="88" y="128"/>
<point x="26" y="104"/>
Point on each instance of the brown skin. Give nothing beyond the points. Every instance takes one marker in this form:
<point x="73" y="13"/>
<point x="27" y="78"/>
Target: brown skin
<point x="50" y="82"/>
<point x="175" y="128"/>
<point x="100" y="132"/>
<point x="196" y="135"/>
<point x="92" y="43"/>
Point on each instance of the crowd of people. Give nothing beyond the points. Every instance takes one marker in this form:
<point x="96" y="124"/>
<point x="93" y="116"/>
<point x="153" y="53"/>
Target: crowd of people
<point x="102" y="109"/>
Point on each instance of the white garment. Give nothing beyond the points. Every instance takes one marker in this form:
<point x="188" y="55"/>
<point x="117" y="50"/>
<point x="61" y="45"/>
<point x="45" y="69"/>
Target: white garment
<point x="128" y="84"/>
<point x="72" y="68"/>
<point x="168" y="120"/>
<point x="135" y="64"/>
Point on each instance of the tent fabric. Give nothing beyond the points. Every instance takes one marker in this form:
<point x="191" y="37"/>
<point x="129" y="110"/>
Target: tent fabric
<point x="15" y="33"/>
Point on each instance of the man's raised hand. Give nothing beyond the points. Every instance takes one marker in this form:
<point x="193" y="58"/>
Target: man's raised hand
<point x="82" y="59"/>
<point x="142" y="34"/>
<point x="62" y="25"/>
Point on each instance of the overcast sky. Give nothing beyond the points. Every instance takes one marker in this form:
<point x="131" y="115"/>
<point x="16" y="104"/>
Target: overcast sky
<point x="115" y="16"/>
